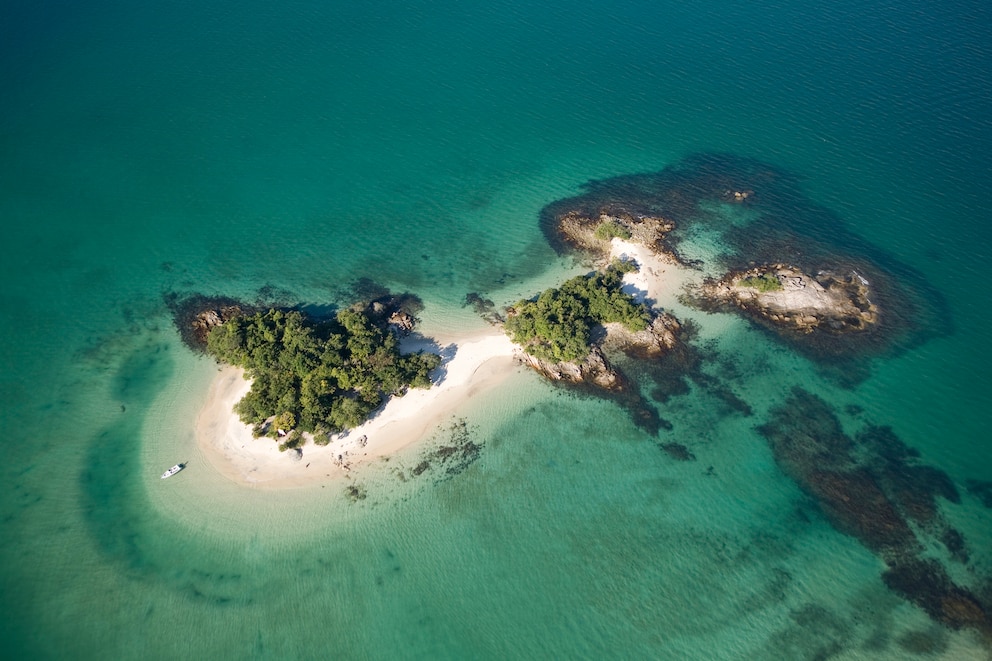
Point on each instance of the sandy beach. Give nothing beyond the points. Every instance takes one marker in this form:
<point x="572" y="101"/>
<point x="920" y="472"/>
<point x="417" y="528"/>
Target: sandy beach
<point x="660" y="279"/>
<point x="473" y="365"/>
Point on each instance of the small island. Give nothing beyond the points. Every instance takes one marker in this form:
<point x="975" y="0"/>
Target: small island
<point x="785" y="297"/>
<point x="313" y="379"/>
<point x="564" y="330"/>
<point x="334" y="392"/>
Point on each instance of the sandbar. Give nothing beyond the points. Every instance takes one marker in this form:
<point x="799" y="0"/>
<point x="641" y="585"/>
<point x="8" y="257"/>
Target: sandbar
<point x="660" y="278"/>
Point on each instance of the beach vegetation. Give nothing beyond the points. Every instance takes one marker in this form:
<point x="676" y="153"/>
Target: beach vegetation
<point x="292" y="441"/>
<point x="557" y="324"/>
<point x="763" y="283"/>
<point x="609" y="229"/>
<point x="317" y="377"/>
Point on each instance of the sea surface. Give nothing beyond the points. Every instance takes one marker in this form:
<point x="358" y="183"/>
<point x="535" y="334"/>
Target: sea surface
<point x="287" y="151"/>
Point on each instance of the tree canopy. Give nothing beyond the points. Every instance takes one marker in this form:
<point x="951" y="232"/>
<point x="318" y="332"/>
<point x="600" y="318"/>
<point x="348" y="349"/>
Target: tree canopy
<point x="557" y="324"/>
<point x="316" y="377"/>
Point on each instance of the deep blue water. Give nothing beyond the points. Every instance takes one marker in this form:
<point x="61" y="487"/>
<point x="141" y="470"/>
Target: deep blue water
<point x="224" y="147"/>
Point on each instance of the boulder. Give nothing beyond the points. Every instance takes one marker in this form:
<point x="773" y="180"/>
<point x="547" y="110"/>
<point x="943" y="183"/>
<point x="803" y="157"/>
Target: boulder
<point x="401" y="321"/>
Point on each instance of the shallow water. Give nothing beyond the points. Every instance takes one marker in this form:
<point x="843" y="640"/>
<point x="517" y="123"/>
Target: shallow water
<point x="284" y="153"/>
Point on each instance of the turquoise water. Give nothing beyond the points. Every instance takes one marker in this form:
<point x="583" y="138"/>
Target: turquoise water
<point x="224" y="148"/>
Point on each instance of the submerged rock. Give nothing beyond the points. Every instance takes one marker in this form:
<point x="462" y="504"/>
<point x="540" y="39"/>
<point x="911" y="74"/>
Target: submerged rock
<point x="926" y="583"/>
<point x="873" y="489"/>
<point x="678" y="452"/>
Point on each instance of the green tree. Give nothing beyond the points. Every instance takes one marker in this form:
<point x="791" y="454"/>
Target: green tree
<point x="557" y="324"/>
<point x="611" y="228"/>
<point x="319" y="378"/>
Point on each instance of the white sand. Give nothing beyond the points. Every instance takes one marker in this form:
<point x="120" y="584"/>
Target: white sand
<point x="660" y="279"/>
<point x="472" y="366"/>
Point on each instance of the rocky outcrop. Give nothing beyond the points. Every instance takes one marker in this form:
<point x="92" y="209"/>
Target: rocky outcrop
<point x="783" y="296"/>
<point x="594" y="369"/>
<point x="596" y="375"/>
<point x="738" y="196"/>
<point x="397" y="313"/>
<point x="661" y="336"/>
<point x="401" y="321"/>
<point x="578" y="228"/>
<point x="206" y="320"/>
<point x="484" y="307"/>
<point x="657" y="340"/>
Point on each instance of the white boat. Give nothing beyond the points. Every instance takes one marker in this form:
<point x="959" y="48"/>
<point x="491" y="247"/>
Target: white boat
<point x="172" y="471"/>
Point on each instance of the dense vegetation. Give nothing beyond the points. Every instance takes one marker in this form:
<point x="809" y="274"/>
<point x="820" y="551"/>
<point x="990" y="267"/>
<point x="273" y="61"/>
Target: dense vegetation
<point x="557" y="324"/>
<point x="315" y="377"/>
<point x="608" y="229"/>
<point x="763" y="283"/>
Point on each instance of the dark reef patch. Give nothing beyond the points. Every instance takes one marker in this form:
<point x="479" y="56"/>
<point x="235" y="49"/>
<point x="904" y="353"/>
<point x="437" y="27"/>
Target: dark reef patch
<point x="355" y="492"/>
<point x="925" y="582"/>
<point x="451" y="456"/>
<point x="678" y="452"/>
<point x="783" y="225"/>
<point x="363" y="289"/>
<point x="674" y="374"/>
<point x="813" y="633"/>
<point x="727" y="398"/>
<point x="924" y="643"/>
<point x="366" y="291"/>
<point x="982" y="490"/>
<point x="873" y="488"/>
<point x="627" y="395"/>
<point x="484" y="307"/>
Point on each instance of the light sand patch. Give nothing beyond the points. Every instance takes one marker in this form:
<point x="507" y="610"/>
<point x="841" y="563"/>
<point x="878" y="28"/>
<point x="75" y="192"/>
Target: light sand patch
<point x="473" y="366"/>
<point x="660" y="279"/>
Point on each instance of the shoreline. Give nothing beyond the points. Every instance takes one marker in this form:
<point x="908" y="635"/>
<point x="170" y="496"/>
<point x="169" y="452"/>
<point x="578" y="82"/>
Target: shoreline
<point x="660" y="278"/>
<point x="473" y="365"/>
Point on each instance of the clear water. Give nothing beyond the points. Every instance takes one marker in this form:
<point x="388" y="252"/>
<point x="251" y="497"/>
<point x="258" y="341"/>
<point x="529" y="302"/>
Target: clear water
<point x="224" y="147"/>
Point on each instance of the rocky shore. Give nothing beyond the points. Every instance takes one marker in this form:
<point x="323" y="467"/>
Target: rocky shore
<point x="660" y="337"/>
<point x="784" y="296"/>
<point x="593" y="232"/>
<point x="596" y="369"/>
